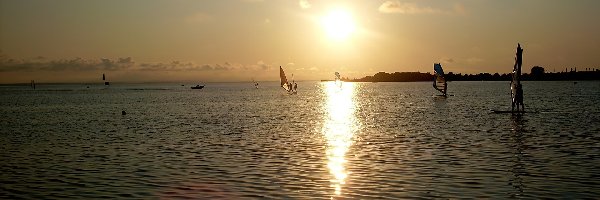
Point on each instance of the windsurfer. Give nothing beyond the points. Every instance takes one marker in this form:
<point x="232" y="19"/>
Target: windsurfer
<point x="519" y="97"/>
<point x="295" y="86"/>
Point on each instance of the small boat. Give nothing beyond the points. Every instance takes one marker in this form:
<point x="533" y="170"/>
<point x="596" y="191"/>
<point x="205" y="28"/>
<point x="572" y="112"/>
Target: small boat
<point x="198" y="87"/>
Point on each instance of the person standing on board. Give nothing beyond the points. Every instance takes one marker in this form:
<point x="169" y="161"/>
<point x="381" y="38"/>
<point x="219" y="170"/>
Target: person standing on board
<point x="295" y="87"/>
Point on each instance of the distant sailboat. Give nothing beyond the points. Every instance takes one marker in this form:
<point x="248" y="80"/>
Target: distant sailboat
<point x="104" y="79"/>
<point x="284" y="82"/>
<point x="439" y="82"/>
<point x="255" y="83"/>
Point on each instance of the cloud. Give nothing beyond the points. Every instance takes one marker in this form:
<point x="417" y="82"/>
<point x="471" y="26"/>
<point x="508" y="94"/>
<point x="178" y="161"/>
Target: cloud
<point x="395" y="6"/>
<point x="446" y="60"/>
<point x="304" y="4"/>
<point x="474" y="60"/>
<point x="460" y="9"/>
<point x="120" y="64"/>
<point x="76" y="64"/>
<point x="184" y="66"/>
<point x="199" y="18"/>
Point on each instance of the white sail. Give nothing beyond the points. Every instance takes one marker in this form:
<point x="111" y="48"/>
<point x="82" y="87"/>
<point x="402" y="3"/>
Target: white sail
<point x="439" y="82"/>
<point x="284" y="82"/>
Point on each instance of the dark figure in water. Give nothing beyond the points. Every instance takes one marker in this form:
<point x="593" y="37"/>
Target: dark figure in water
<point x="519" y="98"/>
<point x="295" y="87"/>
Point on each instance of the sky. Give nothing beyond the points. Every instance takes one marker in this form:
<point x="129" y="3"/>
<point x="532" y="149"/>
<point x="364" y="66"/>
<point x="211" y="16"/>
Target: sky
<point x="245" y="40"/>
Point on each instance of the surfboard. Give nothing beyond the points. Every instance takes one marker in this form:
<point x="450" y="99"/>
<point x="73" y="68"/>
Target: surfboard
<point x="515" y="112"/>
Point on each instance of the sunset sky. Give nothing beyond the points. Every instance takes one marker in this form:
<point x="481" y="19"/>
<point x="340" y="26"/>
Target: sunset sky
<point x="241" y="40"/>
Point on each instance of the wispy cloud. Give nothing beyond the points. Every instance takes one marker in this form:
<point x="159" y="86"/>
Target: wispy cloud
<point x="396" y="6"/>
<point x="120" y="64"/>
<point x="446" y="60"/>
<point x="199" y="17"/>
<point x="474" y="60"/>
<point x="304" y="4"/>
<point x="76" y="64"/>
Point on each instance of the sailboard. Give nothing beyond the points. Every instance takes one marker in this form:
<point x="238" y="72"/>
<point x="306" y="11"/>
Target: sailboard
<point x="513" y="112"/>
<point x="439" y="82"/>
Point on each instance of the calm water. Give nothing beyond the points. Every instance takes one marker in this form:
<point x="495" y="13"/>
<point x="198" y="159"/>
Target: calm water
<point x="360" y="141"/>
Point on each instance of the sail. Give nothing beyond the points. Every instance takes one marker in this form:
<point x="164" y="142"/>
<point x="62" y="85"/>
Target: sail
<point x="104" y="79"/>
<point x="439" y="82"/>
<point x="337" y="76"/>
<point x="284" y="82"/>
<point x="516" y="74"/>
<point x="515" y="82"/>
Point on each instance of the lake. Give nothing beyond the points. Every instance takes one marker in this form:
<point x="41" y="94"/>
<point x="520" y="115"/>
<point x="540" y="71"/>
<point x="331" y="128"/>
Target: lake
<point x="330" y="141"/>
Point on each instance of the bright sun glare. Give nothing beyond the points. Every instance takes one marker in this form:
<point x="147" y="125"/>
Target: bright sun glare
<point x="338" y="24"/>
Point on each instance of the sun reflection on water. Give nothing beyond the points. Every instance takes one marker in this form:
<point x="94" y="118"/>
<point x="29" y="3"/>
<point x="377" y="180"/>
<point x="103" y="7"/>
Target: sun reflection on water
<point x="340" y="126"/>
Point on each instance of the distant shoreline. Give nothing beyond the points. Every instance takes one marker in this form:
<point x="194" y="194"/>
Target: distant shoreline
<point x="387" y="77"/>
<point x="425" y="77"/>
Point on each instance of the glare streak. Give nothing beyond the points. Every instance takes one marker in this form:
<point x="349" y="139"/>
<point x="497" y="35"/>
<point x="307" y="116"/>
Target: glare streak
<point x="339" y="129"/>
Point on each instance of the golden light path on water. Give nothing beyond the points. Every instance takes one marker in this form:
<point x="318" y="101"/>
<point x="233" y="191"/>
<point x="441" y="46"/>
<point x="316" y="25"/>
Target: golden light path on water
<point x="339" y="128"/>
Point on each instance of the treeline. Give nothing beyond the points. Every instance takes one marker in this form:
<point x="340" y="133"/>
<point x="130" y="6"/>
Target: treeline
<point x="534" y="76"/>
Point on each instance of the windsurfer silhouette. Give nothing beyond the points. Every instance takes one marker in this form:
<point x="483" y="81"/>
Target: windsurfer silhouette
<point x="518" y="98"/>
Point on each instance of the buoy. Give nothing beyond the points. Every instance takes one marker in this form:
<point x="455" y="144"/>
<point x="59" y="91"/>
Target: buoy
<point x="123" y="113"/>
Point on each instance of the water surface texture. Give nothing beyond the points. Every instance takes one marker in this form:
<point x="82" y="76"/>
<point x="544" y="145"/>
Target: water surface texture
<point x="331" y="141"/>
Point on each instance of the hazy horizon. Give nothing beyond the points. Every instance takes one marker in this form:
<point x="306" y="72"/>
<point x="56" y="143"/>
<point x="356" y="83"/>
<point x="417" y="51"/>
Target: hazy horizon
<point x="242" y="40"/>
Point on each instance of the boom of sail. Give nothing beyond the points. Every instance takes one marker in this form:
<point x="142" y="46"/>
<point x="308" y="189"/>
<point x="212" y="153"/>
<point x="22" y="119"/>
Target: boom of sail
<point x="439" y="82"/>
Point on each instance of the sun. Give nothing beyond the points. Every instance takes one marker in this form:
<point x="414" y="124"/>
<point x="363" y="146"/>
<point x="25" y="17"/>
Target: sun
<point x="338" y="24"/>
